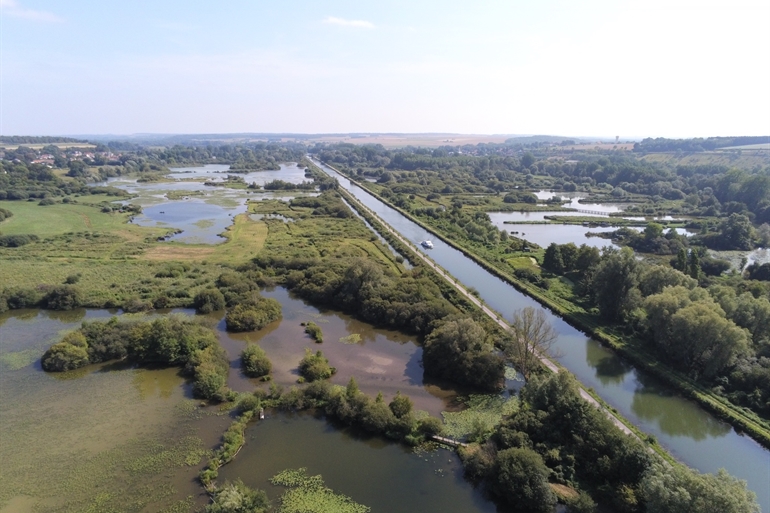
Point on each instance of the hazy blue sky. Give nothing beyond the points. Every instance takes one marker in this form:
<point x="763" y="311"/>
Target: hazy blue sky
<point x="631" y="68"/>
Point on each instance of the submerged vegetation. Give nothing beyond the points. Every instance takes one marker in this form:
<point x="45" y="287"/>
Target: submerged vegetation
<point x="308" y="494"/>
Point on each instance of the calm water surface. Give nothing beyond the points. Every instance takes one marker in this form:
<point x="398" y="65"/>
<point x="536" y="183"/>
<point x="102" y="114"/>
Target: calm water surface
<point x="206" y="213"/>
<point x="687" y="431"/>
<point x="385" y="476"/>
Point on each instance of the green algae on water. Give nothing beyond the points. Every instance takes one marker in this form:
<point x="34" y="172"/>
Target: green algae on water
<point x="483" y="412"/>
<point x="308" y="494"/>
<point x="353" y="338"/>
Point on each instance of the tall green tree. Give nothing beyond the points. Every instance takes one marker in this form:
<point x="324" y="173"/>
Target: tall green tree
<point x="615" y="283"/>
<point x="677" y="489"/>
<point x="521" y="480"/>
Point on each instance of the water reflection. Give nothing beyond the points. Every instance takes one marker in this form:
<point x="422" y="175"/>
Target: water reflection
<point x="66" y="316"/>
<point x="385" y="476"/>
<point x="674" y="415"/>
<point x="741" y="456"/>
<point x="200" y="222"/>
<point x="610" y="369"/>
<point x="157" y="383"/>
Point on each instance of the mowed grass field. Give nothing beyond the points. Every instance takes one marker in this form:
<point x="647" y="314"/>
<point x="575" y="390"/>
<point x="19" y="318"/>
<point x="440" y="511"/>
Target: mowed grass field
<point x="44" y="221"/>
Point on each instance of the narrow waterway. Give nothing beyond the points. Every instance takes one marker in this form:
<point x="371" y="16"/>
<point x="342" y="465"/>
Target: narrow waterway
<point x="687" y="431"/>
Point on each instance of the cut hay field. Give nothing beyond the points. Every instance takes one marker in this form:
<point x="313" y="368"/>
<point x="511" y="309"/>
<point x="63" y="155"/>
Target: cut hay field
<point x="60" y="218"/>
<point x="744" y="159"/>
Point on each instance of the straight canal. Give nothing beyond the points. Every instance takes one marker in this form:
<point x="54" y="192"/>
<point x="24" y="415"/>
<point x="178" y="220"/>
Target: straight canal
<point x="691" y="434"/>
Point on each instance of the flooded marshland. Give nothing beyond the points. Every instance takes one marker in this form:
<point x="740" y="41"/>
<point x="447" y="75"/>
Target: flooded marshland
<point x="201" y="213"/>
<point x="117" y="436"/>
<point x="104" y="436"/>
<point x="380" y="360"/>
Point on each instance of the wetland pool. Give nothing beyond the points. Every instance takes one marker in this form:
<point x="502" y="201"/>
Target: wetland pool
<point x="202" y="213"/>
<point x="385" y="476"/>
<point x="117" y="436"/>
<point x="104" y="437"/>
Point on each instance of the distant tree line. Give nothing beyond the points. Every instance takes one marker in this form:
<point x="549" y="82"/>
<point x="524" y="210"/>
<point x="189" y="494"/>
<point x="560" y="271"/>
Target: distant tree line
<point x="31" y="139"/>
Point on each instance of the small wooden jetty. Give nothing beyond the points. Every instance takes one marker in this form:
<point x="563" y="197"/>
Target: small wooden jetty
<point x="448" y="441"/>
<point x="595" y="212"/>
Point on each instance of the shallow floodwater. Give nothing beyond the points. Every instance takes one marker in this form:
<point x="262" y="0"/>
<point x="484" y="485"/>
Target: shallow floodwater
<point x="574" y="201"/>
<point x="682" y="427"/>
<point x="135" y="437"/>
<point x="387" y="477"/>
<point x="202" y="212"/>
<point x="381" y="360"/>
<point x="105" y="436"/>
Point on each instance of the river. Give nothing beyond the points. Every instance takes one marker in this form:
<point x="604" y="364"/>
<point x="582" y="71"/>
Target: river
<point x="687" y="431"/>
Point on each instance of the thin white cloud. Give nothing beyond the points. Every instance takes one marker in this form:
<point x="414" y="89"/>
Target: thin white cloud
<point x="13" y="9"/>
<point x="331" y="20"/>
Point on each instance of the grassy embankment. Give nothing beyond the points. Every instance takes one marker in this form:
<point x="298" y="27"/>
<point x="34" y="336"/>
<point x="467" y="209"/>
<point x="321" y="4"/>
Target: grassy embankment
<point x="630" y="348"/>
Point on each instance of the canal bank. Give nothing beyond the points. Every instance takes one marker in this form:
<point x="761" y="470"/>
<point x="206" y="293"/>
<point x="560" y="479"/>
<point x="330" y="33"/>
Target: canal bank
<point x="687" y="431"/>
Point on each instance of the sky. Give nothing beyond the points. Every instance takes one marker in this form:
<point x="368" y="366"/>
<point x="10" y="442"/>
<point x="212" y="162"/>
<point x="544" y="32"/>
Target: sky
<point x="633" y="68"/>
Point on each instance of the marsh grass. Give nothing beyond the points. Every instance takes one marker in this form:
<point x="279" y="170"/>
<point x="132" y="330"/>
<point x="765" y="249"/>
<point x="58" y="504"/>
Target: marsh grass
<point x="482" y="414"/>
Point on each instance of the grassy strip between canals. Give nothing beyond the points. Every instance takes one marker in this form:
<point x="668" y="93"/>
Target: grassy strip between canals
<point x="577" y="317"/>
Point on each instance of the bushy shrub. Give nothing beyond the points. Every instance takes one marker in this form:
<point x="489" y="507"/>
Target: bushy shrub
<point x="62" y="297"/>
<point x="254" y="315"/>
<point x="209" y="300"/>
<point x="255" y="361"/>
<point x="314" y="330"/>
<point x="15" y="241"/>
<point x="315" y="366"/>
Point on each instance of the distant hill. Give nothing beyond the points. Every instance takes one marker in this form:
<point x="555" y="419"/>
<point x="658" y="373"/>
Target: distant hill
<point x="697" y="144"/>
<point x="542" y="139"/>
<point x="33" y="139"/>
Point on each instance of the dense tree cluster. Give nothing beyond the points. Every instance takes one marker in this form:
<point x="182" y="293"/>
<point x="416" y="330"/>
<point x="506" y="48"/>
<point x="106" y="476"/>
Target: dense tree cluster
<point x="169" y="340"/>
<point x="351" y="406"/>
<point x="410" y="302"/>
<point x="557" y="437"/>
<point x="460" y="350"/>
<point x="247" y="310"/>
<point x="718" y="333"/>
